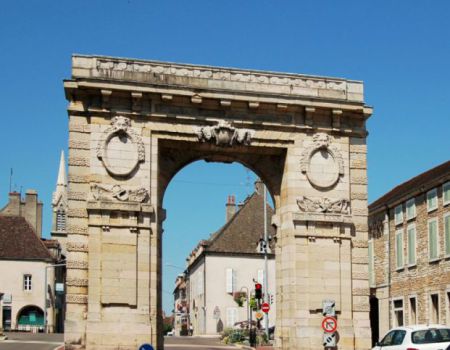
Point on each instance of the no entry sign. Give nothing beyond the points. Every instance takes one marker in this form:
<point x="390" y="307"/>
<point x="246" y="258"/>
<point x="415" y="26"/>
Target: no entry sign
<point x="329" y="324"/>
<point x="265" y="307"/>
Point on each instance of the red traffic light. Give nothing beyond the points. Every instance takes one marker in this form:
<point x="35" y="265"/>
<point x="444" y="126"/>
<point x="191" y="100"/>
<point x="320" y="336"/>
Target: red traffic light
<point x="258" y="291"/>
<point x="258" y="286"/>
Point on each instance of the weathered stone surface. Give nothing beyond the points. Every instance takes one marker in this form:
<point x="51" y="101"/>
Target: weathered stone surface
<point x="168" y="114"/>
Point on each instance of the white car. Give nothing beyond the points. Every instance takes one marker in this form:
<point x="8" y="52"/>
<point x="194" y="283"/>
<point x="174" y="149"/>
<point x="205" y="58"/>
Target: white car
<point x="416" y="337"/>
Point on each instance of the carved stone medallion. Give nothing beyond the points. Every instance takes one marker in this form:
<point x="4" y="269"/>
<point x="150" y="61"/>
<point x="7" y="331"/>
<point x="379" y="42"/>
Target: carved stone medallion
<point x="120" y="148"/>
<point x="224" y="134"/>
<point x="322" y="163"/>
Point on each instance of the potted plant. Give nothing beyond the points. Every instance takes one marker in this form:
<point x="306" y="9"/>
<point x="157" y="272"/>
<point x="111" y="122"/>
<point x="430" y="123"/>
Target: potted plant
<point x="239" y="298"/>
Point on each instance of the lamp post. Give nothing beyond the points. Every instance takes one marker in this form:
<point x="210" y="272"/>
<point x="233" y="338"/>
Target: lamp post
<point x="46" y="290"/>
<point x="266" y="280"/>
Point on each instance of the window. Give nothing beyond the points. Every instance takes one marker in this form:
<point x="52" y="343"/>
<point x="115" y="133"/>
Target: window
<point x="411" y="245"/>
<point x="412" y="310"/>
<point x="231" y="316"/>
<point x="411" y="209"/>
<point x="230" y="280"/>
<point x="433" y="242"/>
<point x="447" y="233"/>
<point x="398" y="313"/>
<point x="398" y="214"/>
<point x="60" y="220"/>
<point x="432" y="200"/>
<point x="393" y="338"/>
<point x="371" y="265"/>
<point x="446" y="193"/>
<point x="399" y="248"/>
<point x="27" y="282"/>
<point x="434" y="308"/>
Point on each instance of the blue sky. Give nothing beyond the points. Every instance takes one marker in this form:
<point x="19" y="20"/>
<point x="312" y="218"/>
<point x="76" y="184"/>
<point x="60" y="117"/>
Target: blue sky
<point x="400" y="49"/>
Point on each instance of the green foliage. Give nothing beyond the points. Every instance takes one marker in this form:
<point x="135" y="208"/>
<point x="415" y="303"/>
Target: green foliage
<point x="253" y="304"/>
<point x="167" y="328"/>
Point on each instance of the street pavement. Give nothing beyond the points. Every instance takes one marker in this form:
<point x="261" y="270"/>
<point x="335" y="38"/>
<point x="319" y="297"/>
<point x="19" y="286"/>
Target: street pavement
<point x="30" y="341"/>
<point x="189" y="343"/>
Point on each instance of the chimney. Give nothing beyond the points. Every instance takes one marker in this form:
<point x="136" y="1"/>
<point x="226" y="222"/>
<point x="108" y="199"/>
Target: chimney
<point x="230" y="207"/>
<point x="259" y="187"/>
<point x="13" y="207"/>
<point x="32" y="210"/>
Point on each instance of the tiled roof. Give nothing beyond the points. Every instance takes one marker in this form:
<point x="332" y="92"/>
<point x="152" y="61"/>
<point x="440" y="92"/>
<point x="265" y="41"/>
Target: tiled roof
<point x="440" y="172"/>
<point x="18" y="240"/>
<point x="243" y="231"/>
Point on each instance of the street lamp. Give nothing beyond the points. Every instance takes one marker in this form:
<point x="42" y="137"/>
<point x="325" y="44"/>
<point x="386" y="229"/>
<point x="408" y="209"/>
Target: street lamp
<point x="46" y="291"/>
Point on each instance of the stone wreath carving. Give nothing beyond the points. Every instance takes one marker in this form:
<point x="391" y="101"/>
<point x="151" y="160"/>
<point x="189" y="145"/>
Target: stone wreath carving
<point x="224" y="134"/>
<point x="117" y="192"/>
<point x="322" y="163"/>
<point x="120" y="148"/>
<point x="324" y="205"/>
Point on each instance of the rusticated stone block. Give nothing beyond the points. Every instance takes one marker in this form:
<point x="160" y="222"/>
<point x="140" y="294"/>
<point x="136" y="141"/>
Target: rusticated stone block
<point x="77" y="213"/>
<point x="81" y="265"/>
<point x="76" y="299"/>
<point x="77" y="282"/>
<point x="77" y="195"/>
<point x="77" y="229"/>
<point x="79" y="161"/>
<point x="79" y="144"/>
<point x="80" y="128"/>
<point x="78" y="178"/>
<point x="359" y="243"/>
<point x="77" y="247"/>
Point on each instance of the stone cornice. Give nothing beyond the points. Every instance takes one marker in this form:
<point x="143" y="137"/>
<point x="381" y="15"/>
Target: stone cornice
<point x="216" y="78"/>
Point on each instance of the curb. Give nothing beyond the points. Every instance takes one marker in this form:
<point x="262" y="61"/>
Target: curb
<point x="59" y="347"/>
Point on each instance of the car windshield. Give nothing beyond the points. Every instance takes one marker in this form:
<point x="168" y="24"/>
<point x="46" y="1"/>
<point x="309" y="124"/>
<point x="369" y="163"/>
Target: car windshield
<point x="429" y="336"/>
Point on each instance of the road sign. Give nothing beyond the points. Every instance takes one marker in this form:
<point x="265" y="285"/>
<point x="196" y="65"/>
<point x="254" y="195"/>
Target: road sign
<point x="265" y="307"/>
<point x="259" y="315"/>
<point x="329" y="324"/>
<point x="146" y="347"/>
<point x="329" y="339"/>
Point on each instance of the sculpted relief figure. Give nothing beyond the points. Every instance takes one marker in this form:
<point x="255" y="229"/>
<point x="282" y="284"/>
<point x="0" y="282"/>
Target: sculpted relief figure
<point x="224" y="134"/>
<point x="117" y="192"/>
<point x="324" y="205"/>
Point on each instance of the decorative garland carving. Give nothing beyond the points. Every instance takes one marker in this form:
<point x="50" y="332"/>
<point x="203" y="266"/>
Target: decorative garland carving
<point x="224" y="134"/>
<point x="120" y="127"/>
<point x="324" y="205"/>
<point x="321" y="143"/>
<point x="117" y="192"/>
<point x="376" y="228"/>
<point x="76" y="299"/>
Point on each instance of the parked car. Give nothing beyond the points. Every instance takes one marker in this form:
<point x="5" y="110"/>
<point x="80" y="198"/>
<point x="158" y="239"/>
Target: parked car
<point x="416" y="337"/>
<point x="170" y="333"/>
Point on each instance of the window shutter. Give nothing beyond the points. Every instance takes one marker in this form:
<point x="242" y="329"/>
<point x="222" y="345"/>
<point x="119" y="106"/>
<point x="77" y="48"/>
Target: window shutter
<point x="411" y="245"/>
<point x="229" y="280"/>
<point x="433" y="239"/>
<point x="231" y="316"/>
<point x="447" y="234"/>
<point x="399" y="247"/>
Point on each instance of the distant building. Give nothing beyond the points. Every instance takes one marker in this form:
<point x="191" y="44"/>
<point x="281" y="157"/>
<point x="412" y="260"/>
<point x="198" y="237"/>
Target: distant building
<point x="409" y="253"/>
<point x="24" y="259"/>
<point x="181" y="309"/>
<point x="226" y="264"/>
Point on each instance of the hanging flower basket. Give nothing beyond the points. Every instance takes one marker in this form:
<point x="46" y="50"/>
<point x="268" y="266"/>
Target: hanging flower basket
<point x="239" y="298"/>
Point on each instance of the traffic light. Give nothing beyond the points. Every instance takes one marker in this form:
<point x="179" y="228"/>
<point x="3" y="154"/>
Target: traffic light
<point x="258" y="291"/>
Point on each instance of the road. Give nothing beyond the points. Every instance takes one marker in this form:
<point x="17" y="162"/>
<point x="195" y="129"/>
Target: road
<point x="29" y="341"/>
<point x="190" y="343"/>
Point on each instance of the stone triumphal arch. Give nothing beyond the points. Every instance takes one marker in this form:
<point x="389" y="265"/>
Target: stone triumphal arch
<point x="133" y="124"/>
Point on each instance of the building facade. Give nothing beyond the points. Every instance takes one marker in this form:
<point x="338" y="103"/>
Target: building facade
<point x="181" y="307"/>
<point x="409" y="253"/>
<point x="229" y="264"/>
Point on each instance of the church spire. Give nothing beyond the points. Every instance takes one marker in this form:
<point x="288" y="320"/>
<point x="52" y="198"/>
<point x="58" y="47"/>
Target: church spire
<point x="62" y="181"/>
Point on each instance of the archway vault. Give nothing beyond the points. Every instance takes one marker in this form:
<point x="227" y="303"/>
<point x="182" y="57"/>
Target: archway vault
<point x="133" y="124"/>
